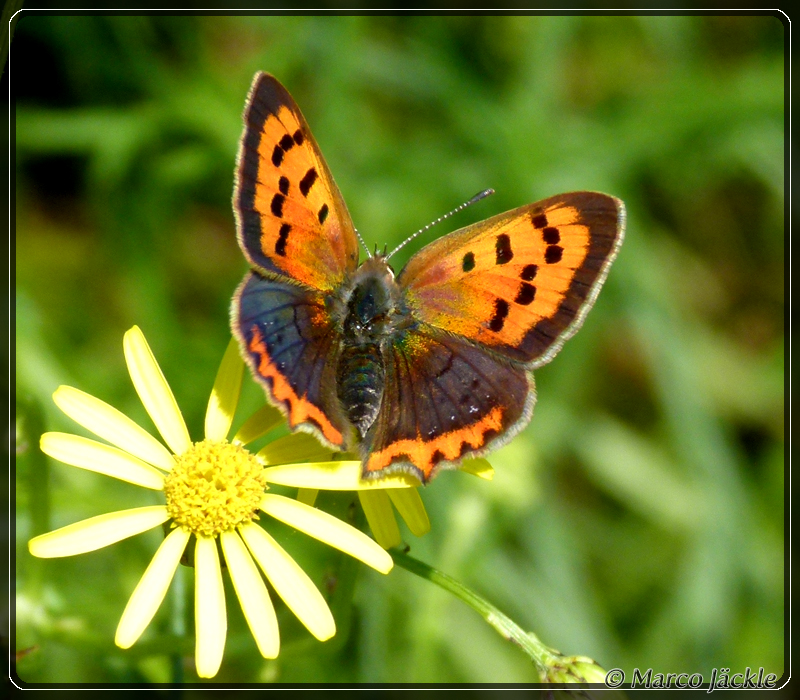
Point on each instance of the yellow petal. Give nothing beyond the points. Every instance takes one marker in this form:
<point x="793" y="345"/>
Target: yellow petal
<point x="380" y="517"/>
<point x="252" y="594"/>
<point x="94" y="533"/>
<point x="409" y="504"/>
<point x="298" y="447"/>
<point x="108" y="423"/>
<point x="211" y="624"/>
<point x="334" y="476"/>
<point x="328" y="529"/>
<point x="478" y="467"/>
<point x="307" y="496"/>
<point x="290" y="581"/>
<point x="225" y="394"/>
<point x="101" y="458"/>
<point x="151" y="589"/>
<point x="154" y="391"/>
<point x="258" y="425"/>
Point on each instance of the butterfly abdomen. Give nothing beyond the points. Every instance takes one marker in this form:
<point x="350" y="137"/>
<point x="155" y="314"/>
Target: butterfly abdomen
<point x="370" y="315"/>
<point x="360" y="381"/>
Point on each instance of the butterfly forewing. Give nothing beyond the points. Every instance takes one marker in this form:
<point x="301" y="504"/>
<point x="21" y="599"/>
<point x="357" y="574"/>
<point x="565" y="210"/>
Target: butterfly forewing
<point x="291" y="218"/>
<point x="521" y="282"/>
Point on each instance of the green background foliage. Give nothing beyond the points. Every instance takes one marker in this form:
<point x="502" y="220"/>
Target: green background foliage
<point x="638" y="520"/>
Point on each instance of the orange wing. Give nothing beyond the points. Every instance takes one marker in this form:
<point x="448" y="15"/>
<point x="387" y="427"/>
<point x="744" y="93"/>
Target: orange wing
<point x="290" y="216"/>
<point x="521" y="282"/>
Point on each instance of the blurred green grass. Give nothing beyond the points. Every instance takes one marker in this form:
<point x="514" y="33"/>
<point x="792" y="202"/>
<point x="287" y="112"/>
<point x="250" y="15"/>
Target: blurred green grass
<point x="638" y="520"/>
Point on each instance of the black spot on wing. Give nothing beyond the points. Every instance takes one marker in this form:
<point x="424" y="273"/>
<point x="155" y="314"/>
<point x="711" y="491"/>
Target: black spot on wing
<point x="286" y="142"/>
<point x="308" y="180"/>
<point x="526" y="294"/>
<point x="500" y="313"/>
<point x="539" y="219"/>
<point x="553" y="254"/>
<point x="276" y="206"/>
<point x="551" y="235"/>
<point x="529" y="272"/>
<point x="468" y="263"/>
<point x="503" y="250"/>
<point x="283" y="236"/>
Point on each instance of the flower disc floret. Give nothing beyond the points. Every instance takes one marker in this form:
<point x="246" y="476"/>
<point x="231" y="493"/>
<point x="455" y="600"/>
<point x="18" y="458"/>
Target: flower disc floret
<point x="214" y="486"/>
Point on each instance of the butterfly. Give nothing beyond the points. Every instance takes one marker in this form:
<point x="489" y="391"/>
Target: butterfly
<point x="416" y="371"/>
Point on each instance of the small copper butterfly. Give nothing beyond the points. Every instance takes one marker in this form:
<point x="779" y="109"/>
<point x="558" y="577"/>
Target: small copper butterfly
<point x="416" y="371"/>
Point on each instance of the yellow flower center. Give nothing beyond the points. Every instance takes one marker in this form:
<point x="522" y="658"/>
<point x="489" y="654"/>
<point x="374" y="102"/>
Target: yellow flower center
<point x="214" y="486"/>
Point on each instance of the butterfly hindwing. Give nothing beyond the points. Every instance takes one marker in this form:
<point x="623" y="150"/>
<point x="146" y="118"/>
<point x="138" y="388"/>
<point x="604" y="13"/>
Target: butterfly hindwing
<point x="521" y="282"/>
<point x="290" y="345"/>
<point x="444" y="399"/>
<point x="291" y="218"/>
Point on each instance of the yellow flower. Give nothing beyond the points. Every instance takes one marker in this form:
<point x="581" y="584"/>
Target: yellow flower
<point x="213" y="489"/>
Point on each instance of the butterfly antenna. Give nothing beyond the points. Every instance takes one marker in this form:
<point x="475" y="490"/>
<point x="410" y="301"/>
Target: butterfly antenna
<point x="369" y="255"/>
<point x="477" y="198"/>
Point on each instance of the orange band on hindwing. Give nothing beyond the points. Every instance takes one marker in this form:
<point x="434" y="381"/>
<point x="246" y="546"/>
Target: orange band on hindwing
<point x="298" y="409"/>
<point x="426" y="455"/>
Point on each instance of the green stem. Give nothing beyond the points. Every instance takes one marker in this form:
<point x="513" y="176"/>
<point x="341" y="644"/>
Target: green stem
<point x="540" y="654"/>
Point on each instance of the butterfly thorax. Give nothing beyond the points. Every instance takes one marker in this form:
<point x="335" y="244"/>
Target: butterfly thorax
<point x="371" y="314"/>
